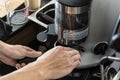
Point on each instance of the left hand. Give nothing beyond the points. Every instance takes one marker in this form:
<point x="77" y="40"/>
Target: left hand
<point x="13" y="52"/>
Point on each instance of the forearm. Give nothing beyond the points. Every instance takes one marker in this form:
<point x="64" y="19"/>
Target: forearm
<point x="26" y="73"/>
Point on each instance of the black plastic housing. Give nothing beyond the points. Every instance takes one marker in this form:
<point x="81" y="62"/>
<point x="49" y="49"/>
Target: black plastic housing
<point x="75" y="3"/>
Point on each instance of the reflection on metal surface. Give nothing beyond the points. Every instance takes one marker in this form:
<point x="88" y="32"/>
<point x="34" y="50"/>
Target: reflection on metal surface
<point x="117" y="76"/>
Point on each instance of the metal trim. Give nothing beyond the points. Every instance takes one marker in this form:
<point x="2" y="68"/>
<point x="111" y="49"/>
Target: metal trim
<point x="76" y="10"/>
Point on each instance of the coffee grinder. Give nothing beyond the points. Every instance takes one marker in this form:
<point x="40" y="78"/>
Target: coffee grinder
<point x="72" y="18"/>
<point x="71" y="21"/>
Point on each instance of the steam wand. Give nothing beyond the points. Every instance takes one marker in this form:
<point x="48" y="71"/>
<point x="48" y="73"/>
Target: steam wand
<point x="115" y="44"/>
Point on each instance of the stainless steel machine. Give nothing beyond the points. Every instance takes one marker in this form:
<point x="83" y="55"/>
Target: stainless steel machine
<point x="72" y="22"/>
<point x="93" y="44"/>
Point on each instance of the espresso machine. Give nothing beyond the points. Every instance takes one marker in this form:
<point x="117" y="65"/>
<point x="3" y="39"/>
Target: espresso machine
<point x="73" y="24"/>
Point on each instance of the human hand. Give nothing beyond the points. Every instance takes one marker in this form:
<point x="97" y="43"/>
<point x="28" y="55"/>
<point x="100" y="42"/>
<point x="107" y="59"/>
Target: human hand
<point x="13" y="52"/>
<point x="58" y="62"/>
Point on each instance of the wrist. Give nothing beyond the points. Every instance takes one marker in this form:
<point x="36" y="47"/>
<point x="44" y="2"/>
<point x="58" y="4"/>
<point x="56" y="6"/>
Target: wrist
<point x="31" y="71"/>
<point x="41" y="70"/>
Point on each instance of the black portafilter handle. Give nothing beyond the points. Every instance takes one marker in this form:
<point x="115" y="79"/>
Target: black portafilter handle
<point x="26" y="60"/>
<point x="42" y="37"/>
<point x="115" y="45"/>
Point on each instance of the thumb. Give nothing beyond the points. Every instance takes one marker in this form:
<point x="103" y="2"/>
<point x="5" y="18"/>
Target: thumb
<point x="33" y="54"/>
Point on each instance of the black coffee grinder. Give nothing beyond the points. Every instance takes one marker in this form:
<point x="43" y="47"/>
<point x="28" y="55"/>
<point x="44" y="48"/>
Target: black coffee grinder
<point x="71" y="21"/>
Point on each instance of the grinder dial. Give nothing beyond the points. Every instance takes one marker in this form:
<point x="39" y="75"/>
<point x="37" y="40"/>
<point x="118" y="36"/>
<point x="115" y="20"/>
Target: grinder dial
<point x="100" y="48"/>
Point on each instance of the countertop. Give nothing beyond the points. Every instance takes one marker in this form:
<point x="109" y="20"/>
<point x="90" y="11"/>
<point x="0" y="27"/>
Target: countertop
<point x="16" y="29"/>
<point x="14" y="5"/>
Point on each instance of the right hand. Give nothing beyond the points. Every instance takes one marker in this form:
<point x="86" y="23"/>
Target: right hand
<point x="58" y="62"/>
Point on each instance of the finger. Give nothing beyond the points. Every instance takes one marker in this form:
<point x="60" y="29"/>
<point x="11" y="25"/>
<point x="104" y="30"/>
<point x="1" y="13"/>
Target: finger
<point x="9" y="61"/>
<point x="27" y="48"/>
<point x="33" y="54"/>
<point x="64" y="48"/>
<point x="73" y="52"/>
<point x="23" y="64"/>
<point x="76" y="57"/>
<point x="68" y="48"/>
<point x="76" y="63"/>
<point x="18" y="66"/>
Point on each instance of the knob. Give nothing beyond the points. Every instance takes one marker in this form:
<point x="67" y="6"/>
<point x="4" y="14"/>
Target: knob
<point x="100" y="48"/>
